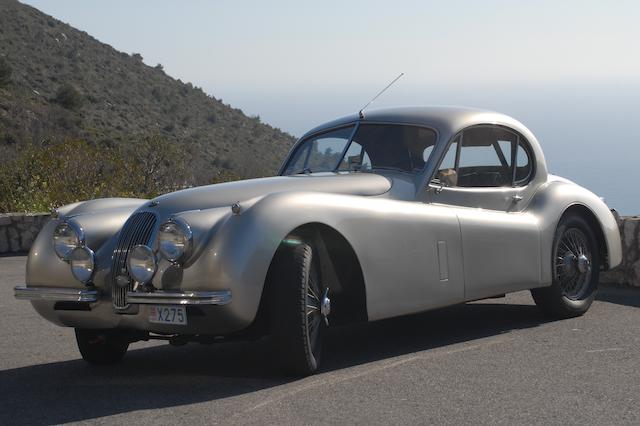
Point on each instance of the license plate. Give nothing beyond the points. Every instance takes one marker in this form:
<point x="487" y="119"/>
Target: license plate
<point x="161" y="314"/>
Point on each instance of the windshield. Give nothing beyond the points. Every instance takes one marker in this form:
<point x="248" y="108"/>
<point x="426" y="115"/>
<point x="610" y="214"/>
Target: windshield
<point x="374" y="146"/>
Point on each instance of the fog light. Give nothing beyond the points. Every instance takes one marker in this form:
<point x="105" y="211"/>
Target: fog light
<point x="82" y="261"/>
<point x="142" y="264"/>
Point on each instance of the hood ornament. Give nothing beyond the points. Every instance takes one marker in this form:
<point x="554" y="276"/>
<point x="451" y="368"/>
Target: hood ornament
<point x="153" y="203"/>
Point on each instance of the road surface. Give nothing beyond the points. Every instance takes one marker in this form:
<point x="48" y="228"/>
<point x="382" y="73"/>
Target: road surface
<point x="491" y="362"/>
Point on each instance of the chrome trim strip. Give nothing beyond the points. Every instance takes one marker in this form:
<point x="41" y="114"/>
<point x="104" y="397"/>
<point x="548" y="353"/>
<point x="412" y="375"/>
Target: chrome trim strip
<point x="55" y="294"/>
<point x="159" y="297"/>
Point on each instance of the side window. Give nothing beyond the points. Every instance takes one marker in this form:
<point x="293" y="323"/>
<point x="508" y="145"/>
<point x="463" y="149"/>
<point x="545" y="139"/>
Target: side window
<point x="524" y="167"/>
<point x="356" y="158"/>
<point x="483" y="161"/>
<point x="446" y="174"/>
<point x="485" y="157"/>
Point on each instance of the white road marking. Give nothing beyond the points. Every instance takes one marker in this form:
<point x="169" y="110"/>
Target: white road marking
<point x="593" y="351"/>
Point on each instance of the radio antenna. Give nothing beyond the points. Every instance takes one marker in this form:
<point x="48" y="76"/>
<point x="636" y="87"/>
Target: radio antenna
<point x="361" y="112"/>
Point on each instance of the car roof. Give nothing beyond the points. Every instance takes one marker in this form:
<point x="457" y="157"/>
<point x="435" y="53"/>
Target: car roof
<point x="446" y="120"/>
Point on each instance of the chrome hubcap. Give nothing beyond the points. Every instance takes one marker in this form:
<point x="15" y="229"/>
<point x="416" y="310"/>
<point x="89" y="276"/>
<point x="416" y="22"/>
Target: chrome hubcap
<point x="573" y="263"/>
<point x="318" y="308"/>
<point x="583" y="264"/>
<point x="325" y="305"/>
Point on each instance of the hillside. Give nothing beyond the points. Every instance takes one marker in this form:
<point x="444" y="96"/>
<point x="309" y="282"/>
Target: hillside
<point x="59" y="83"/>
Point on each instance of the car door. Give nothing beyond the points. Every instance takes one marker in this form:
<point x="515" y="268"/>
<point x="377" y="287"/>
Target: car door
<point x="410" y="252"/>
<point x="484" y="175"/>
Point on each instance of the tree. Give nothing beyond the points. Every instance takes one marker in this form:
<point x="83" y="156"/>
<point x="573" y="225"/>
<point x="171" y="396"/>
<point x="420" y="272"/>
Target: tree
<point x="69" y="97"/>
<point x="156" y="166"/>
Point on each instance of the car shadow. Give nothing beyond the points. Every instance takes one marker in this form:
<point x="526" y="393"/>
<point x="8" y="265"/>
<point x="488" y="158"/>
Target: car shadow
<point x="165" y="376"/>
<point x="627" y="296"/>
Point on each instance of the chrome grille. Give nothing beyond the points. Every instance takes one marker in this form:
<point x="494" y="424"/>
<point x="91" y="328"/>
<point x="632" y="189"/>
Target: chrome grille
<point x="138" y="229"/>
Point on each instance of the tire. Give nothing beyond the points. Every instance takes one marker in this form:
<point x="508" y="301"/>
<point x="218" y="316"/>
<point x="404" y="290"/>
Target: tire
<point x="294" y="281"/>
<point x="575" y="279"/>
<point x="102" y="347"/>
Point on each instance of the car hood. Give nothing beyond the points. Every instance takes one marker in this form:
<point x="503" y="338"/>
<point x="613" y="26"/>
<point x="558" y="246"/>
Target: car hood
<point x="225" y="194"/>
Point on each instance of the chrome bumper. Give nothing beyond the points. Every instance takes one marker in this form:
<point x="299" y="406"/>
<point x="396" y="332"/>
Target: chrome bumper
<point x="55" y="294"/>
<point x="180" y="298"/>
<point x="156" y="298"/>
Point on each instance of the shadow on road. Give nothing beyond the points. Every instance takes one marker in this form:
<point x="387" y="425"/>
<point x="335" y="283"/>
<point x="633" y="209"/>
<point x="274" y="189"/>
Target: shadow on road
<point x="166" y="376"/>
<point x="619" y="295"/>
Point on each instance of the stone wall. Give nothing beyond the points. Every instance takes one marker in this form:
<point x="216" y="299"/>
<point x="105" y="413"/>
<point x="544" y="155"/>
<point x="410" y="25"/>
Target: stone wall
<point x="628" y="273"/>
<point x="18" y="230"/>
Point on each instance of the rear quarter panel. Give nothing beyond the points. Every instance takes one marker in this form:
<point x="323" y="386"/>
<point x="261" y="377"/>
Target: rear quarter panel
<point x="549" y="204"/>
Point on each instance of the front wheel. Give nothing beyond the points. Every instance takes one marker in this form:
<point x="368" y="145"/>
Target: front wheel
<point x="576" y="267"/>
<point x="101" y="347"/>
<point x="298" y="308"/>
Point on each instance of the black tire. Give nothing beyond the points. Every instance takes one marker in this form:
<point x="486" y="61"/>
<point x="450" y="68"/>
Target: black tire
<point x="573" y="289"/>
<point x="102" y="347"/>
<point x="297" y="333"/>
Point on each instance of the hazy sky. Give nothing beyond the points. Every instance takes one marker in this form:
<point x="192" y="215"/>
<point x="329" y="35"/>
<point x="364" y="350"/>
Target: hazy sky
<point x="570" y="70"/>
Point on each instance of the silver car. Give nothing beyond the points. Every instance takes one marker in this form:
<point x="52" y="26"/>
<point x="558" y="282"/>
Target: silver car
<point x="399" y="211"/>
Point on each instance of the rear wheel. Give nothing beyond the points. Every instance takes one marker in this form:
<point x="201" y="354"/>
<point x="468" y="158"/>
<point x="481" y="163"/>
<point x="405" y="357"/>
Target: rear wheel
<point x="101" y="347"/>
<point x="575" y="270"/>
<point x="299" y="305"/>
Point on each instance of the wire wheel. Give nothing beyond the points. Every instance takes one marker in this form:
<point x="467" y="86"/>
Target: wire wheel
<point x="573" y="259"/>
<point x="299" y="307"/>
<point x="314" y="304"/>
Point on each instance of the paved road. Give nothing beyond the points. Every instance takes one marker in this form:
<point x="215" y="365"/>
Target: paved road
<point x="492" y="362"/>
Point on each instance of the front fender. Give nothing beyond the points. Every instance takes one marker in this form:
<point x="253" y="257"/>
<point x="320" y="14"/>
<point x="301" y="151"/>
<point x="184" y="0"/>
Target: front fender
<point x="100" y="220"/>
<point x="239" y="253"/>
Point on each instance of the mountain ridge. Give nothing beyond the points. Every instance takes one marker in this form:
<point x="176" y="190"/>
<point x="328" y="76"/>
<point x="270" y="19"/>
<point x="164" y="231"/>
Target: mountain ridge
<point x="64" y="83"/>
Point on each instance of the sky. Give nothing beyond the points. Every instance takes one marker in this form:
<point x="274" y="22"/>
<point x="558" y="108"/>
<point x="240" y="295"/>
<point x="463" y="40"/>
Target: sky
<point x="569" y="70"/>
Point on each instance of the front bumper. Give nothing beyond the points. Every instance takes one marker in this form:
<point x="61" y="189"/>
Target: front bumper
<point x="157" y="297"/>
<point x="208" y="312"/>
<point x="55" y="294"/>
<point x="180" y="298"/>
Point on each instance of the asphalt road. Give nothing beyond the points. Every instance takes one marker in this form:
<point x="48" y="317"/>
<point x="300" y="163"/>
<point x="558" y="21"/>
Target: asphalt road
<point x="497" y="362"/>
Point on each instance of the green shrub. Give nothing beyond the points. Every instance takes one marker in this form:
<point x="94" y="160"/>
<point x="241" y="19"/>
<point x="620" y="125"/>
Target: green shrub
<point x="156" y="166"/>
<point x="69" y="97"/>
<point x="45" y="177"/>
<point x="5" y="72"/>
<point x="225" y="175"/>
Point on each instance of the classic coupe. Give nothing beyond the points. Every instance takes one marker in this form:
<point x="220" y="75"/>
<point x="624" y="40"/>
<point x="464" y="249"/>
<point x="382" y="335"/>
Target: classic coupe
<point x="371" y="216"/>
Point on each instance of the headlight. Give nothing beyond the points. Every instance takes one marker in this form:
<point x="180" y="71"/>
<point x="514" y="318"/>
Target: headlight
<point x="141" y="264"/>
<point x="82" y="261"/>
<point x="66" y="237"/>
<point x="174" y="240"/>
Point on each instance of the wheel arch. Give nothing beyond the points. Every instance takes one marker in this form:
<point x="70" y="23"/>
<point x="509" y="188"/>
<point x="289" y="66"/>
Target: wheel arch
<point x="340" y="266"/>
<point x="591" y="218"/>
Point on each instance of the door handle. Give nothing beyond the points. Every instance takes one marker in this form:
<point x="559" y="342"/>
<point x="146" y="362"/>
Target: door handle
<point x="516" y="198"/>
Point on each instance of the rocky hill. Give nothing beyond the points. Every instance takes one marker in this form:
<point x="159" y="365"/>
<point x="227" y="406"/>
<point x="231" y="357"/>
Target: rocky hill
<point x="58" y="83"/>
